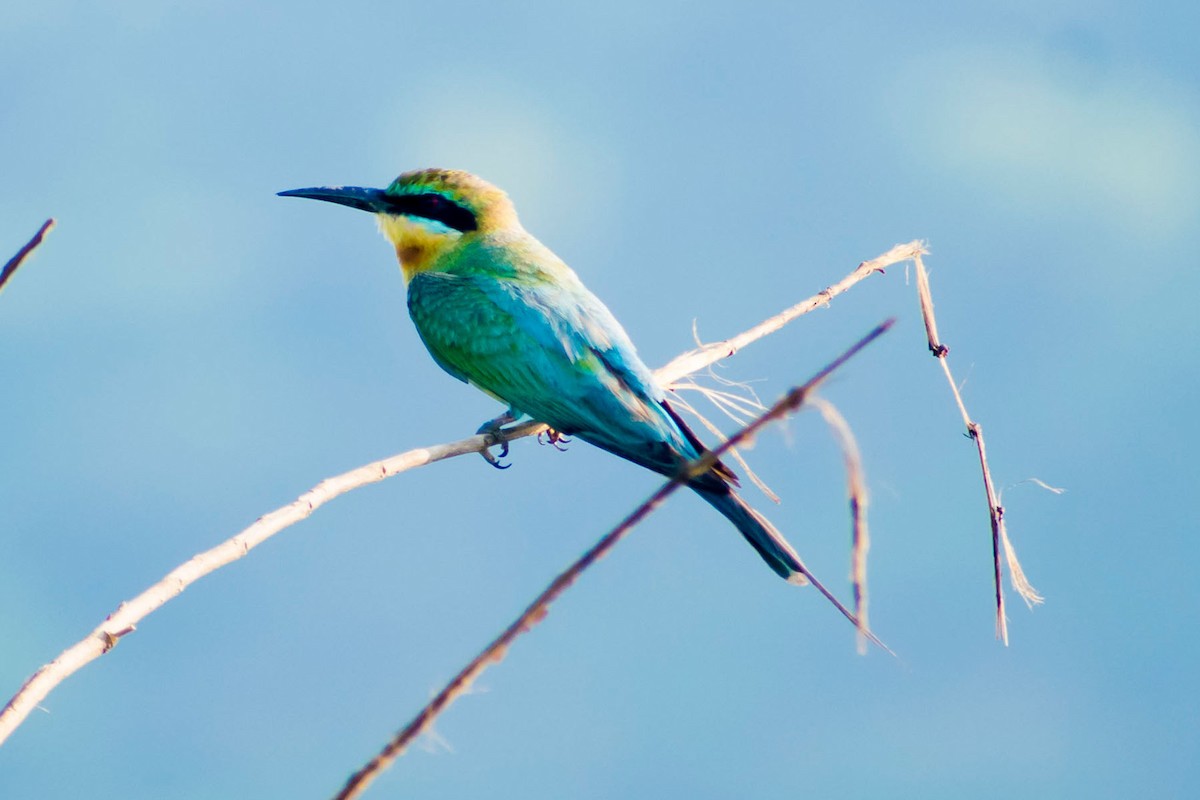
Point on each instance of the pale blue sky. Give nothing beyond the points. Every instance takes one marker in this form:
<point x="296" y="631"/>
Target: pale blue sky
<point x="189" y="351"/>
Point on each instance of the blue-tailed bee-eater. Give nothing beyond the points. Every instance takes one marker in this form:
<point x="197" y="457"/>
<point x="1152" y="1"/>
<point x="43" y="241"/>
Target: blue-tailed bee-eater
<point x="498" y="310"/>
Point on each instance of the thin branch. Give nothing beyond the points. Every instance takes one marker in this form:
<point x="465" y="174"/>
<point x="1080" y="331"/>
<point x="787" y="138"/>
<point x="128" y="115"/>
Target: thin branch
<point x="124" y="620"/>
<point x="1000" y="540"/>
<point x="538" y="609"/>
<point x="709" y="354"/>
<point x="856" y="491"/>
<point x="10" y="268"/>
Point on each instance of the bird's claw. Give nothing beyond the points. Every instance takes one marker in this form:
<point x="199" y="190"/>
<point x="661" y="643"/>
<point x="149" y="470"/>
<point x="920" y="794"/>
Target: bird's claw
<point x="493" y="428"/>
<point x="553" y="437"/>
<point x="494" y="460"/>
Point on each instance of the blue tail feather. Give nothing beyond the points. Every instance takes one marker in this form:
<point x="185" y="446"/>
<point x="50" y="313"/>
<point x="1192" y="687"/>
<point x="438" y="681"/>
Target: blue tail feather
<point x="761" y="534"/>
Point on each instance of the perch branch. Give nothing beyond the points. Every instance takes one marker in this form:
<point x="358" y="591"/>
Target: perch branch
<point x="124" y="620"/>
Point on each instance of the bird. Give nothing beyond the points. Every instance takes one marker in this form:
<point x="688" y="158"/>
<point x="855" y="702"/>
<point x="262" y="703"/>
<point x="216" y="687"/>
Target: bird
<point x="498" y="310"/>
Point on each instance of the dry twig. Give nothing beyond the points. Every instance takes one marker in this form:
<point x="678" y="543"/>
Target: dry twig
<point x="10" y="268"/>
<point x="1000" y="539"/>
<point x="856" y="490"/>
<point x="710" y="354"/>
<point x="537" y="610"/>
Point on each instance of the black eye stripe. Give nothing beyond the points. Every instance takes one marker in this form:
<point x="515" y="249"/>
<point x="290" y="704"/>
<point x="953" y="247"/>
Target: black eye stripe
<point x="435" y="207"/>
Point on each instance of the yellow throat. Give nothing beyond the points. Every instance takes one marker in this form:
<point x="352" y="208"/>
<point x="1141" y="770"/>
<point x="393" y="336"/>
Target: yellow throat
<point x="417" y="245"/>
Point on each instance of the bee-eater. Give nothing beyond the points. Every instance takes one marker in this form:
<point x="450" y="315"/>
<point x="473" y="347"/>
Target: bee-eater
<point x="498" y="310"/>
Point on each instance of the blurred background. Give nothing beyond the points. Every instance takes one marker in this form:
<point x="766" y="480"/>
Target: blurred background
<point x="187" y="352"/>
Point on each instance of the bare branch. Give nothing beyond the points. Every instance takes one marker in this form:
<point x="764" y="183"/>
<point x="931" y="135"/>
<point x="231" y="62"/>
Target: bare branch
<point x="538" y="609"/>
<point x="10" y="268"/>
<point x="124" y="620"/>
<point x="709" y="354"/>
<point x="856" y="490"/>
<point x="1000" y="541"/>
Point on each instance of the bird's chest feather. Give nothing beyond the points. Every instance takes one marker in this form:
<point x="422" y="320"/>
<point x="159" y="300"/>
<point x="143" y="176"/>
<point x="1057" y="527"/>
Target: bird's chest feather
<point x="457" y="318"/>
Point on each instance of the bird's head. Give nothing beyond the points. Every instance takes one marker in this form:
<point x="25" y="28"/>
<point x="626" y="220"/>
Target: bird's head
<point x="426" y="213"/>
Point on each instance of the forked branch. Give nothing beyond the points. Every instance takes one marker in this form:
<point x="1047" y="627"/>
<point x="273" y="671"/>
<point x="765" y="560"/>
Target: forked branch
<point x="128" y="615"/>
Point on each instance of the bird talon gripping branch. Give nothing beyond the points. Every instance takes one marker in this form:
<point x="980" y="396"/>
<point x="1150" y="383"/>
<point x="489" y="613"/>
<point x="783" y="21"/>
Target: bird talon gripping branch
<point x="494" y="460"/>
<point x="498" y="310"/>
<point x="494" y="431"/>
<point x="494" y="427"/>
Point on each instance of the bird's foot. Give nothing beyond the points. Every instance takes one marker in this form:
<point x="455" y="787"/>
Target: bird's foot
<point x="493" y="428"/>
<point x="553" y="437"/>
<point x="493" y="460"/>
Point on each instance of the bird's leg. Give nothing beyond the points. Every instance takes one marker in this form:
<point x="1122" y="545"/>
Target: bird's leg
<point x="492" y="428"/>
<point x="553" y="437"/>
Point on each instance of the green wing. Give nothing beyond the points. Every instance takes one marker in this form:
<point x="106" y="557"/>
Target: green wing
<point x="555" y="353"/>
